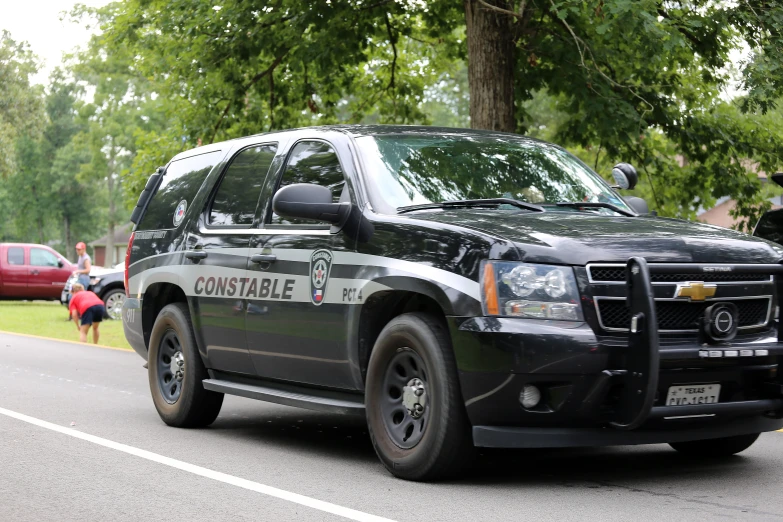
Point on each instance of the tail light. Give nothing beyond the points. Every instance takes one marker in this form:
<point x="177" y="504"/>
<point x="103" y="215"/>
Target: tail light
<point x="127" y="262"/>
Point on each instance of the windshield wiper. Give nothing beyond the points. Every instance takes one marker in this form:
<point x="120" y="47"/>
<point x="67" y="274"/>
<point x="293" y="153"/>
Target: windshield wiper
<point x="466" y="203"/>
<point x="596" y="204"/>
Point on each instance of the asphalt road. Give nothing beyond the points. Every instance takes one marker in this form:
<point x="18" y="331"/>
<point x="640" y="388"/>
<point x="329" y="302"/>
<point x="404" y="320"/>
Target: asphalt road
<point x="123" y="467"/>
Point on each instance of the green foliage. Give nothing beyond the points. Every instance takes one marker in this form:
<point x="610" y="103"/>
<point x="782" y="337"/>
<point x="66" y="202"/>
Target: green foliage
<point x="21" y="110"/>
<point x="641" y="81"/>
<point x="234" y="68"/>
<point x="44" y="198"/>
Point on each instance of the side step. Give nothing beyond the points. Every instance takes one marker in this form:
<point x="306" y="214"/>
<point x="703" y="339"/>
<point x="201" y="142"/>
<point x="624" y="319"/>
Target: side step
<point x="329" y="401"/>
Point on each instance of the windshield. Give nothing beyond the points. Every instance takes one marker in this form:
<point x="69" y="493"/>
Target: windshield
<point x="409" y="170"/>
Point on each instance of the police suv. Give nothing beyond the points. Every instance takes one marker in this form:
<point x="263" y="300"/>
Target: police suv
<point x="457" y="288"/>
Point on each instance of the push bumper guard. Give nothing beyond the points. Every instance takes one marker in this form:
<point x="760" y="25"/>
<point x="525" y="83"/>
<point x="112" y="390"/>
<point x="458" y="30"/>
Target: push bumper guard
<point x="634" y="417"/>
<point x="640" y="377"/>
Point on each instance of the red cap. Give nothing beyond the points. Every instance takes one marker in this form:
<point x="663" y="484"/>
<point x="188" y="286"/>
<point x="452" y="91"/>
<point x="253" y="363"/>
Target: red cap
<point x="80" y="244"/>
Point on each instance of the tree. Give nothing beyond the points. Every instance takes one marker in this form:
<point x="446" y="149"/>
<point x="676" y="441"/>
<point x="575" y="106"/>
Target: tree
<point x="235" y="68"/>
<point x="122" y="111"/>
<point x="21" y="110"/>
<point x="641" y="81"/>
<point x="45" y="193"/>
<point x="637" y="80"/>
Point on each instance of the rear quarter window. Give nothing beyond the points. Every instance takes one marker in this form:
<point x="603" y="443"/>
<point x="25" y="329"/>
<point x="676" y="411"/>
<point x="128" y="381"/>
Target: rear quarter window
<point x="15" y="255"/>
<point x="182" y="181"/>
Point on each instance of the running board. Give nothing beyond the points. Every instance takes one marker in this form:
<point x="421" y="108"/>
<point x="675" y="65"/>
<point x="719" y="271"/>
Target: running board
<point x="328" y="401"/>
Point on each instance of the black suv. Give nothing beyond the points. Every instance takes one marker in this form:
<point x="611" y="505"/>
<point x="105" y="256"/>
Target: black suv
<point x="457" y="288"/>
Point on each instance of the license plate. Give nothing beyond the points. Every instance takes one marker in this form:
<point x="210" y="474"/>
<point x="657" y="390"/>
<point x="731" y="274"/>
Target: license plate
<point x="693" y="394"/>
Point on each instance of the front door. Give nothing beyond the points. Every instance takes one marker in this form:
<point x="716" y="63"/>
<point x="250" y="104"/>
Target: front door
<point x="16" y="272"/>
<point x="297" y="329"/>
<point x="217" y="256"/>
<point x="46" y="279"/>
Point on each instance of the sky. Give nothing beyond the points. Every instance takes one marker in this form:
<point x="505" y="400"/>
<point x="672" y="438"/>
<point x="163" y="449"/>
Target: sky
<point x="38" y="23"/>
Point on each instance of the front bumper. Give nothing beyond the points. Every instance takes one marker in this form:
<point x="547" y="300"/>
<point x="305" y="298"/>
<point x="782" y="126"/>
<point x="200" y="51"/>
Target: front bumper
<point x="512" y="437"/>
<point x="599" y="392"/>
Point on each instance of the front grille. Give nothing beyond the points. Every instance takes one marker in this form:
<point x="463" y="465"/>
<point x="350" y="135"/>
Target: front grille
<point x="616" y="274"/>
<point x="681" y="315"/>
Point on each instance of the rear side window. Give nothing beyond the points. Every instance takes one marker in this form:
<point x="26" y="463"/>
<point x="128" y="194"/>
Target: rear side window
<point x="770" y="226"/>
<point x="237" y="196"/>
<point x="41" y="257"/>
<point x="180" y="185"/>
<point x="312" y="162"/>
<point x="15" y="256"/>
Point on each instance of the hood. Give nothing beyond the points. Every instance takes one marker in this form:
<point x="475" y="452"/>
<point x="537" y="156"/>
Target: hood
<point x="578" y="238"/>
<point x="99" y="271"/>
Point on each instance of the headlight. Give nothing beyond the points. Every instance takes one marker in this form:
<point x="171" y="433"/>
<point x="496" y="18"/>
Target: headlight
<point x="95" y="280"/>
<point x="530" y="290"/>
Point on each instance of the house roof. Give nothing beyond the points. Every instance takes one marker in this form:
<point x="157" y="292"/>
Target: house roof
<point x="719" y="214"/>
<point x="122" y="234"/>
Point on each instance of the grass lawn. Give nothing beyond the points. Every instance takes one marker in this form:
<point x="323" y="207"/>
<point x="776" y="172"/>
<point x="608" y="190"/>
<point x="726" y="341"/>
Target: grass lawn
<point x="47" y="319"/>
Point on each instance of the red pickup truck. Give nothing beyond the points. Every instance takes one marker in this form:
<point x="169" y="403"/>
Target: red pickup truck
<point x="29" y="271"/>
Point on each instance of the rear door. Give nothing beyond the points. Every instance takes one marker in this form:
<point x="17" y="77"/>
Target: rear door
<point x="15" y="272"/>
<point x="46" y="278"/>
<point x="219" y="273"/>
<point x="296" y="318"/>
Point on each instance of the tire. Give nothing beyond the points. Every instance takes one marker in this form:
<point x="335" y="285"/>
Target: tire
<point x="113" y="300"/>
<point x="417" y="346"/>
<point x="181" y="403"/>
<point x="724" y="447"/>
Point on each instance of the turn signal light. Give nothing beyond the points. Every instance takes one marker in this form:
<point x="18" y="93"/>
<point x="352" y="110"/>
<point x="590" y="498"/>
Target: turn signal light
<point x="490" y="290"/>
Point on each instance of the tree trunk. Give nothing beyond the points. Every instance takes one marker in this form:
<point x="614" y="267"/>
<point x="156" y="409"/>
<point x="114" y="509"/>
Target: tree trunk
<point x="68" y="251"/>
<point x="109" y="261"/>
<point x="490" y="65"/>
<point x="38" y="217"/>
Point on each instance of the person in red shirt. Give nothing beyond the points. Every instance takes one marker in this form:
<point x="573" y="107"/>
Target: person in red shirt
<point x="87" y="310"/>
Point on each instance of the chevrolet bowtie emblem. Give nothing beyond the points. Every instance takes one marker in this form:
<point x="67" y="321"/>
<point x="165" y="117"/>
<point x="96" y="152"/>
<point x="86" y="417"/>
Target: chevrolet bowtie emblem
<point x="695" y="291"/>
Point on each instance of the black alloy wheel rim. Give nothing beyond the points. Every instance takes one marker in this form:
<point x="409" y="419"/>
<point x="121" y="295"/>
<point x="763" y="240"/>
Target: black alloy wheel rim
<point x="405" y="374"/>
<point x="171" y="367"/>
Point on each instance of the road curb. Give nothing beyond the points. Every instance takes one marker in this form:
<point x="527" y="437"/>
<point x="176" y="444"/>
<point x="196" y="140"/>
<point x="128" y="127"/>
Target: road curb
<point x="66" y="341"/>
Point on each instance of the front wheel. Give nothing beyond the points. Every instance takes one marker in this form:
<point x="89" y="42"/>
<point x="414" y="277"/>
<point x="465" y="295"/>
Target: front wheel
<point x="114" y="299"/>
<point x="415" y="412"/>
<point x="176" y="372"/>
<point x="723" y="447"/>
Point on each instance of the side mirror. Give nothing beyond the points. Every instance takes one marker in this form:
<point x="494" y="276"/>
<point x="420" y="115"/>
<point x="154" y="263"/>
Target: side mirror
<point x="60" y="263"/>
<point x="309" y="201"/>
<point x="625" y="176"/>
<point x="637" y="204"/>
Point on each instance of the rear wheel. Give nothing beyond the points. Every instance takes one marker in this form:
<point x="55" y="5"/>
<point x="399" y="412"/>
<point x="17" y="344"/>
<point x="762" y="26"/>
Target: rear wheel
<point x="723" y="447"/>
<point x="415" y="413"/>
<point x="175" y="372"/>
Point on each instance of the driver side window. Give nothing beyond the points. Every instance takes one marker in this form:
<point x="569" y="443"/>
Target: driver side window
<point x="312" y="162"/>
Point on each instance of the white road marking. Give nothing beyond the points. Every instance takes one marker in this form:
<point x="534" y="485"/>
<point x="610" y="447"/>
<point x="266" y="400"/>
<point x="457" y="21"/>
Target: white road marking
<point x="282" y="494"/>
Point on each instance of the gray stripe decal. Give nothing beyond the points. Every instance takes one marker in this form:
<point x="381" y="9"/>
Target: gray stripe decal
<point x="186" y="276"/>
<point x="418" y="270"/>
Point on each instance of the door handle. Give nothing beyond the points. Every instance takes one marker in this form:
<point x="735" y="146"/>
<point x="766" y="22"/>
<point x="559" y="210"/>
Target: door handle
<point x="263" y="258"/>
<point x="34" y="272"/>
<point x="196" y="255"/>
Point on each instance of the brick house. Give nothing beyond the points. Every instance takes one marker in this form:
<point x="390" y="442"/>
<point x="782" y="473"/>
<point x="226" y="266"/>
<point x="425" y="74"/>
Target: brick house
<point x="121" y="236"/>
<point x="719" y="214"/>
